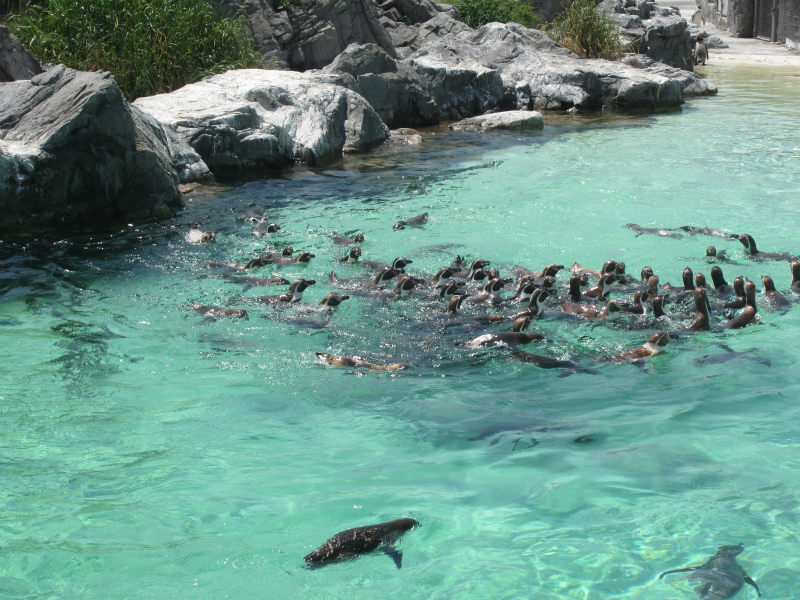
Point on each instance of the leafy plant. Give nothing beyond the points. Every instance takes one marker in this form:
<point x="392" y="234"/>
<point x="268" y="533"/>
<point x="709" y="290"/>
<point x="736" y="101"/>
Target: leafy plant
<point x="150" y="46"/>
<point x="585" y="29"/>
<point x="476" y="13"/>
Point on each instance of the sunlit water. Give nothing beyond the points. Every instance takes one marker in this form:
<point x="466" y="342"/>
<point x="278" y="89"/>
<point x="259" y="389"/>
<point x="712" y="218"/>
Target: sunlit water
<point x="147" y="452"/>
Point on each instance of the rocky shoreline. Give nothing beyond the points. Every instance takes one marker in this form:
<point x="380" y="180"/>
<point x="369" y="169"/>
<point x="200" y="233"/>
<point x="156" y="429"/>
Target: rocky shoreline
<point x="72" y="149"/>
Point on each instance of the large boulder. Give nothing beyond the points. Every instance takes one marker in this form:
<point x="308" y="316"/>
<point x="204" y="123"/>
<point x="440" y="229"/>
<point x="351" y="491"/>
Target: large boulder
<point x="15" y="62"/>
<point x="72" y="148"/>
<point x="251" y="118"/>
<point x="537" y="73"/>
<point x="658" y="32"/>
<point x="411" y="95"/>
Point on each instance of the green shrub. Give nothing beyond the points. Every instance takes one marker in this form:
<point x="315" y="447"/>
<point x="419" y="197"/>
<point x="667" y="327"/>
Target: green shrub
<point x="150" y="46"/>
<point x="586" y="30"/>
<point x="479" y="12"/>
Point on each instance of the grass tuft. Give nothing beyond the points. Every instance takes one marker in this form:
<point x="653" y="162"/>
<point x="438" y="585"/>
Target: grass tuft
<point x="585" y="29"/>
<point x="476" y="13"/>
<point x="150" y="46"/>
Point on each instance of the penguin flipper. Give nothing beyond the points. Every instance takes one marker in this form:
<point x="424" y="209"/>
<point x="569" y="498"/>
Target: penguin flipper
<point x="749" y="580"/>
<point x="678" y="571"/>
<point x="395" y="554"/>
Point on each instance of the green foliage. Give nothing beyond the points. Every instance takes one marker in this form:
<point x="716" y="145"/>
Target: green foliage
<point x="479" y="12"/>
<point x="586" y="30"/>
<point x="150" y="46"/>
<point x="284" y="4"/>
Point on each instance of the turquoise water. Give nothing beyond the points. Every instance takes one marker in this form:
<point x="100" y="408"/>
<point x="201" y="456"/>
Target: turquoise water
<point x="147" y="452"/>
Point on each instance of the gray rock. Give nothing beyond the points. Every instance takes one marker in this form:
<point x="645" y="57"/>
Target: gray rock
<point x="325" y="28"/>
<point x="690" y="83"/>
<point x="658" y="32"/>
<point x="404" y="137"/>
<point x="512" y="119"/>
<point x="539" y="74"/>
<point x="251" y="118"/>
<point x="15" y="62"/>
<point x="72" y="148"/>
<point x="406" y="94"/>
<point x="409" y="37"/>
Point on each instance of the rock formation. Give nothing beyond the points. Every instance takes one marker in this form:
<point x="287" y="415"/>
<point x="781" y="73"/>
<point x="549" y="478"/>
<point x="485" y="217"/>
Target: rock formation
<point x="72" y="148"/>
<point x="658" y="32"/>
<point x="251" y="117"/>
<point x="406" y="94"/>
<point x="15" y="62"/>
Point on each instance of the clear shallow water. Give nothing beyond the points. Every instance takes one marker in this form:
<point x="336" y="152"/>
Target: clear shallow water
<point x="148" y="453"/>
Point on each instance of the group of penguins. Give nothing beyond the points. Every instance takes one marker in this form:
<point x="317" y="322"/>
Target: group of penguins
<point x="464" y="290"/>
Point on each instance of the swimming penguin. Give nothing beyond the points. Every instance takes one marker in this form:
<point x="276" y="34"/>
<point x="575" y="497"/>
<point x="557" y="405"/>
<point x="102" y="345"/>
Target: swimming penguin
<point x="706" y="231"/>
<point x="453" y="289"/>
<point x="652" y="347"/>
<point x="491" y="291"/>
<point x="265" y="228"/>
<point x="378" y="280"/>
<point x="514" y="337"/>
<point x="720" y="284"/>
<point x="548" y="362"/>
<point x="592" y="311"/>
<point x="730" y="354"/>
<point x="398" y="264"/>
<point x="196" y="236"/>
<point x="721" y="577"/>
<point x="638" y="308"/>
<point x="575" y="287"/>
<point x="455" y="319"/>
<point x="343" y="240"/>
<point x="652" y="286"/>
<point x="251" y="282"/>
<point x="287" y="251"/>
<point x="218" y="311"/>
<point x="353" y="255"/>
<point x="303" y="257"/>
<point x="688" y="283"/>
<point x="774" y="297"/>
<point x="352" y="543"/>
<point x="658" y="307"/>
<point x="536" y="303"/>
<point x="749" y="312"/>
<point x="444" y="274"/>
<point x="252" y="264"/>
<point x="253" y="214"/>
<point x="417" y="221"/>
<point x="647" y="273"/>
<point x="622" y="278"/>
<point x="717" y="255"/>
<point x="602" y="289"/>
<point x="795" y="286"/>
<point x="295" y="293"/>
<point x="653" y="230"/>
<point x="608" y="268"/>
<point x="333" y="299"/>
<point x="755" y="254"/>
<point x="477" y="264"/>
<point x="701" y="318"/>
<point x="338" y="360"/>
<point x="741" y="299"/>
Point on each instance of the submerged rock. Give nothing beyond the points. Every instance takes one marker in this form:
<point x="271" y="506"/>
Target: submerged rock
<point x="72" y="149"/>
<point x="512" y="119"/>
<point x="250" y="118"/>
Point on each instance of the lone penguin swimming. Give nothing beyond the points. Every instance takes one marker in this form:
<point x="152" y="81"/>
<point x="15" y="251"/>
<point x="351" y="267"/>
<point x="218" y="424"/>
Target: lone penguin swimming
<point x="721" y="577"/>
<point x="352" y="543"/>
